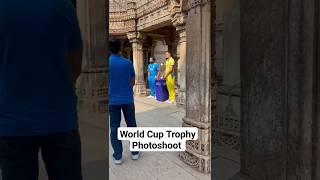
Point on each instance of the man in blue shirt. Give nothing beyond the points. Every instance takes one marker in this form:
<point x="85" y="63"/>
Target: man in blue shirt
<point x="40" y="60"/>
<point x="153" y="69"/>
<point x="121" y="82"/>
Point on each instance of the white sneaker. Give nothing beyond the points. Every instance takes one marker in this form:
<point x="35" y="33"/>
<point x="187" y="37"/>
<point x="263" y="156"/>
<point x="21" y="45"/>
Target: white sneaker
<point x="150" y="97"/>
<point x="154" y="97"/>
<point x="170" y="102"/>
<point x="117" y="162"/>
<point x="135" y="156"/>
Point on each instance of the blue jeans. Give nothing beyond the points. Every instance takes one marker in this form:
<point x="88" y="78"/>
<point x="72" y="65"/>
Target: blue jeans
<point x="152" y="85"/>
<point x="115" y="120"/>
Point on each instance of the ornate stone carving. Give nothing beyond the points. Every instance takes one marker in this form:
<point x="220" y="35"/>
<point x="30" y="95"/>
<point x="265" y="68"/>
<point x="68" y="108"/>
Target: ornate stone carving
<point x="142" y="15"/>
<point x="227" y="123"/>
<point x="136" y="37"/>
<point x="195" y="3"/>
<point x="203" y="164"/>
<point x="190" y="159"/>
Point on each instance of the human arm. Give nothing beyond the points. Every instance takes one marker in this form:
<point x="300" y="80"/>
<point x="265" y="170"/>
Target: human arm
<point x="74" y="61"/>
<point x="148" y="69"/>
<point x="170" y="70"/>
<point x="169" y="67"/>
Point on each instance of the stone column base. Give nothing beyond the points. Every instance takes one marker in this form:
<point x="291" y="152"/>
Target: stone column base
<point x="140" y="89"/>
<point x="197" y="152"/>
<point x="202" y="163"/>
<point x="181" y="98"/>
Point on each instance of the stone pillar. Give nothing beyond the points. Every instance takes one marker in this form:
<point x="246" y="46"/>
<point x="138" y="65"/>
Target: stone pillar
<point x="198" y="78"/>
<point x="92" y="84"/>
<point x="279" y="75"/>
<point x="179" y="22"/>
<point x="182" y="52"/>
<point x="137" y="38"/>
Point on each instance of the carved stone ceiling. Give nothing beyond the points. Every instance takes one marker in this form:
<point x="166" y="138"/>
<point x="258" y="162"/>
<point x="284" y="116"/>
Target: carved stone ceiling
<point x="140" y="15"/>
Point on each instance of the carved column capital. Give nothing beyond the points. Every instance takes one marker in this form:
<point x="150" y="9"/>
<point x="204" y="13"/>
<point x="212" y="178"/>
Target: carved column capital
<point x="179" y="19"/>
<point x="179" y="22"/>
<point x="136" y="37"/>
<point x="195" y="3"/>
<point x="182" y="33"/>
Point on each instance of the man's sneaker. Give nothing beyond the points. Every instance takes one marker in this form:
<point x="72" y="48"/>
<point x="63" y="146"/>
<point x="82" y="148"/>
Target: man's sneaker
<point x="117" y="162"/>
<point x="150" y="97"/>
<point x="170" y="102"/>
<point x="135" y="156"/>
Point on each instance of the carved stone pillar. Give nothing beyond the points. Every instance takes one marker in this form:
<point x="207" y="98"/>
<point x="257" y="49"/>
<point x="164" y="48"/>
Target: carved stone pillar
<point x="182" y="52"/>
<point x="179" y="21"/>
<point x="198" y="78"/>
<point x="137" y="38"/>
<point x="92" y="84"/>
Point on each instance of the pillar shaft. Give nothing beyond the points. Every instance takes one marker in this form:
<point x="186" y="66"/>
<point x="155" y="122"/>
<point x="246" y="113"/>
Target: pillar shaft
<point x="182" y="53"/>
<point x="138" y="62"/>
<point x="198" y="96"/>
<point x="92" y="84"/>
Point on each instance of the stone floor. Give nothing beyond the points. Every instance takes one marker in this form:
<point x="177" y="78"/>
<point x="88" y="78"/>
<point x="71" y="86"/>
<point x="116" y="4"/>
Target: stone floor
<point x="151" y="166"/>
<point x="155" y="165"/>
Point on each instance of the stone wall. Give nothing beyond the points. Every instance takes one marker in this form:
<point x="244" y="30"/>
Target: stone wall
<point x="279" y="60"/>
<point x="227" y="115"/>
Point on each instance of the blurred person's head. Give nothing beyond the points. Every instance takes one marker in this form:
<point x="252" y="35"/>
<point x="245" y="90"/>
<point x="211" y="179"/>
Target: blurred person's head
<point x="168" y="55"/>
<point x="152" y="60"/>
<point x="115" y="46"/>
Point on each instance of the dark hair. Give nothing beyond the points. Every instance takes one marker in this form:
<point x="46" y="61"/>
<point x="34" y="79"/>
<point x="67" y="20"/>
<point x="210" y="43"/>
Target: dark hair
<point x="153" y="58"/>
<point x="115" y="46"/>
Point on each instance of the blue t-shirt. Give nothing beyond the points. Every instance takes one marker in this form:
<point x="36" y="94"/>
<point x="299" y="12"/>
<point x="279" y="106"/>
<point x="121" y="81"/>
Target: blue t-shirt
<point x="121" y="72"/>
<point x="153" y="70"/>
<point x="36" y="96"/>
